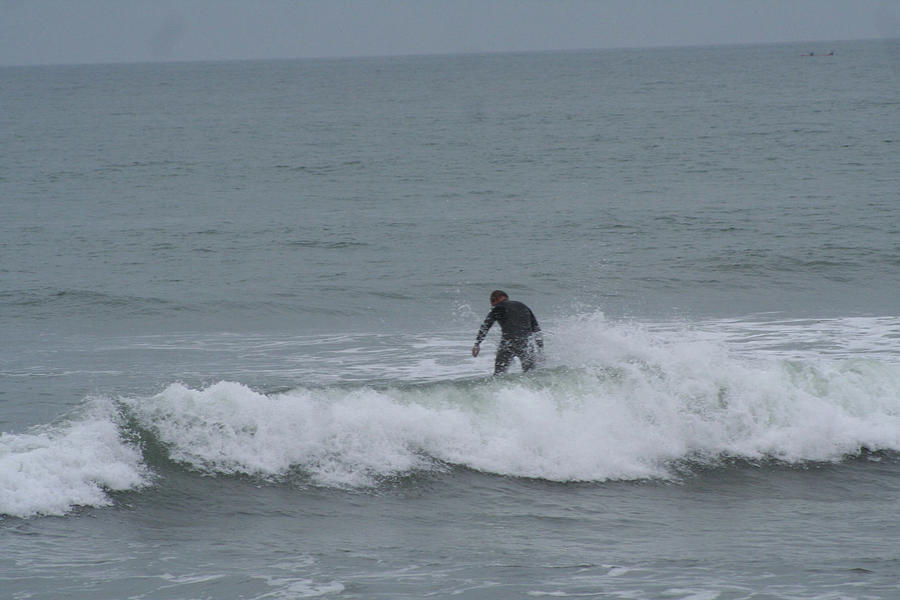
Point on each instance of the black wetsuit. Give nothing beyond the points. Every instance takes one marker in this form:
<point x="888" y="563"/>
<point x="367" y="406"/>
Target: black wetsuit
<point x="520" y="333"/>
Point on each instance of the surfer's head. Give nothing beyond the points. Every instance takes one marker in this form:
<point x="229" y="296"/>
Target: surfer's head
<point x="498" y="296"/>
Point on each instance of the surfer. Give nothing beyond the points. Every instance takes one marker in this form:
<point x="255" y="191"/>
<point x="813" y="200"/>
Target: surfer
<point x="520" y="333"/>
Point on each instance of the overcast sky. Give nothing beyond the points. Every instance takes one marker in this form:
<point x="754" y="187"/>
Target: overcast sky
<point x="88" y="31"/>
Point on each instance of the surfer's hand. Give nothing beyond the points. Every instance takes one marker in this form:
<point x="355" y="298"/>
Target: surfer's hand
<point x="475" y="350"/>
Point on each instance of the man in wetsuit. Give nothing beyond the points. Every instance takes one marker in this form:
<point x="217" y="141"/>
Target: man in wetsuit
<point x="520" y="333"/>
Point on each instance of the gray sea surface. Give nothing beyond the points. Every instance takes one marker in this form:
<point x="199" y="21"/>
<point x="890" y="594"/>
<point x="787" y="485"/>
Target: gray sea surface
<point x="237" y="302"/>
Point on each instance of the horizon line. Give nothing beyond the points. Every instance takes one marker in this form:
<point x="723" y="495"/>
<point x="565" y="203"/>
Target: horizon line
<point x="438" y="54"/>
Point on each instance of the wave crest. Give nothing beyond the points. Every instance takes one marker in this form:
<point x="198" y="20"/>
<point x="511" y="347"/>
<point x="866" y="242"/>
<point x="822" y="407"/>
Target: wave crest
<point x="636" y="419"/>
<point x="632" y="402"/>
<point x="52" y="469"/>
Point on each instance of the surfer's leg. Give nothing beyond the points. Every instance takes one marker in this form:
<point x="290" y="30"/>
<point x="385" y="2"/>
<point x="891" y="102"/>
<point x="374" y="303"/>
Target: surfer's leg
<point x="526" y="354"/>
<point x="505" y="354"/>
<point x="527" y="360"/>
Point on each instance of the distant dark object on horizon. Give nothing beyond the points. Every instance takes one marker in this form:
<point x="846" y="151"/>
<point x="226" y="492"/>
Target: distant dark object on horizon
<point x="813" y="54"/>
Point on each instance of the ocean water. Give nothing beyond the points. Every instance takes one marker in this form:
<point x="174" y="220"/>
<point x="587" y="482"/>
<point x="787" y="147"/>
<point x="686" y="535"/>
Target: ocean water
<point x="237" y="302"/>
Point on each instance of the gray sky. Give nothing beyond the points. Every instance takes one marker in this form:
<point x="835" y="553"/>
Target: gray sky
<point x="88" y="31"/>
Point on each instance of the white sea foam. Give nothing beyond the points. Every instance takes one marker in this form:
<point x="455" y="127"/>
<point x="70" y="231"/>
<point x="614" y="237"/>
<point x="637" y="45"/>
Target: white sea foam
<point x="51" y="469"/>
<point x="630" y="403"/>
<point x="293" y="588"/>
<point x="615" y="401"/>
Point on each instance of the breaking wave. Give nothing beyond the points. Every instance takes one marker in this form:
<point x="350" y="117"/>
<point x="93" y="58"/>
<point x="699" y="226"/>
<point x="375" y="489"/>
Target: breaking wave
<point x="614" y="402"/>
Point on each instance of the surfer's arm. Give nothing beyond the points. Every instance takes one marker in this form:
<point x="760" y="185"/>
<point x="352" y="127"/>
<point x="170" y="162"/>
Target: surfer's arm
<point x="483" y="330"/>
